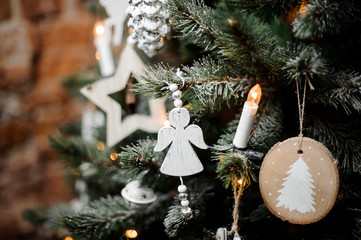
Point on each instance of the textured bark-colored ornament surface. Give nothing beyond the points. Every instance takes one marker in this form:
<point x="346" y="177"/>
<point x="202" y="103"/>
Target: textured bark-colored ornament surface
<point x="299" y="188"/>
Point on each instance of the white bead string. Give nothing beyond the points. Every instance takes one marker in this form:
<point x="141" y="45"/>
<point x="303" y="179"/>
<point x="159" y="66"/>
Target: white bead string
<point x="172" y="86"/>
<point x="176" y="95"/>
<point x="183" y="196"/>
<point x="180" y="74"/>
<point x="182" y="189"/>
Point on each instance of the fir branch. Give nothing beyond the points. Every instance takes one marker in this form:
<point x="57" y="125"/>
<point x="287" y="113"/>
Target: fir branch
<point x="260" y="214"/>
<point x="227" y="137"/>
<point x="357" y="229"/>
<point x="233" y="167"/>
<point x="323" y="18"/>
<point x="178" y="225"/>
<point x="330" y="87"/>
<point x="75" y="150"/>
<point x="100" y="219"/>
<point x="211" y="83"/>
<point x="93" y="165"/>
<point x="38" y="217"/>
<point x="267" y="9"/>
<point x="345" y="91"/>
<point x="269" y="126"/>
<point x="341" y="136"/>
<point x="232" y="36"/>
<point x="109" y="217"/>
<point x="136" y="158"/>
<point x="307" y="64"/>
<point x="252" y="44"/>
<point x="175" y="220"/>
<point x="155" y="81"/>
<point x="195" y="22"/>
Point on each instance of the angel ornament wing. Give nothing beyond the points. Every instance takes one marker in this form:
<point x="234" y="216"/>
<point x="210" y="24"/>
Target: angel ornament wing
<point x="181" y="159"/>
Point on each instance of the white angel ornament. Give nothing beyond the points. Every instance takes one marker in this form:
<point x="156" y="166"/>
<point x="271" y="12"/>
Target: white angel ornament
<point x="181" y="159"/>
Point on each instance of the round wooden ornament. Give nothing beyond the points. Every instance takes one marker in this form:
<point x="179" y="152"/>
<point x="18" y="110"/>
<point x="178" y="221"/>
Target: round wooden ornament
<point x="300" y="188"/>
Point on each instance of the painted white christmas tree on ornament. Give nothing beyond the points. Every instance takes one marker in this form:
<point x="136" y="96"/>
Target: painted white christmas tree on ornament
<point x="297" y="190"/>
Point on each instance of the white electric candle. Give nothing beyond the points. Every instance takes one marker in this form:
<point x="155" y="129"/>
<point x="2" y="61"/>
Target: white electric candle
<point x="248" y="113"/>
<point x="90" y="121"/>
<point x="102" y="44"/>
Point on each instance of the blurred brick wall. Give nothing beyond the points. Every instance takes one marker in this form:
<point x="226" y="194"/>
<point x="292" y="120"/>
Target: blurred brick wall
<point x="41" y="42"/>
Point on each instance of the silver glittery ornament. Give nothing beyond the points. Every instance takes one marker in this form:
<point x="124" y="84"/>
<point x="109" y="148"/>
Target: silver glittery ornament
<point x="149" y="23"/>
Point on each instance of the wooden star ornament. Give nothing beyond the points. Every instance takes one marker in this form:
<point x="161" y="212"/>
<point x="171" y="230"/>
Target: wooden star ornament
<point x="98" y="93"/>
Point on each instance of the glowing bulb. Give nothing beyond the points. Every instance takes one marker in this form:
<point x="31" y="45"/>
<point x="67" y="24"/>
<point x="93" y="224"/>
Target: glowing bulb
<point x="100" y="146"/>
<point x="240" y="181"/>
<point x="303" y="9"/>
<point x="113" y="156"/>
<point x="254" y="95"/>
<point x="68" y="238"/>
<point x="248" y="114"/>
<point x="166" y="123"/>
<point x="74" y="172"/>
<point x="99" y="29"/>
<point x="131" y="233"/>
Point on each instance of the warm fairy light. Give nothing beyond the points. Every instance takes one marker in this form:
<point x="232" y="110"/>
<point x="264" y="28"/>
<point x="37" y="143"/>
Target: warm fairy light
<point x="99" y="29"/>
<point x="97" y="57"/>
<point x="100" y="146"/>
<point x="131" y="233"/>
<point x="248" y="114"/>
<point x="74" y="172"/>
<point x="113" y="156"/>
<point x="303" y="9"/>
<point x="254" y="95"/>
<point x="68" y="238"/>
<point x="221" y="158"/>
<point x="231" y="21"/>
<point x="166" y="123"/>
<point x="240" y="181"/>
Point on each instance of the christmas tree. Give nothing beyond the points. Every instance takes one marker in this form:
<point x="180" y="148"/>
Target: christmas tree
<point x="224" y="48"/>
<point x="297" y="186"/>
